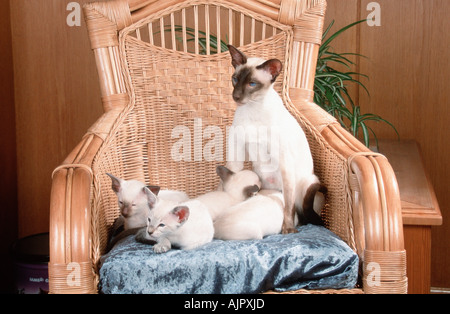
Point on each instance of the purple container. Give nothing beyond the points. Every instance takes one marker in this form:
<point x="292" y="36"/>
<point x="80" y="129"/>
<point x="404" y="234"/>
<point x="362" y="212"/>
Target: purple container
<point x="31" y="257"/>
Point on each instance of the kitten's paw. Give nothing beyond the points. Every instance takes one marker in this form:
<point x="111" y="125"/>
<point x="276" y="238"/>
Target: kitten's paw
<point x="288" y="230"/>
<point x="160" y="248"/>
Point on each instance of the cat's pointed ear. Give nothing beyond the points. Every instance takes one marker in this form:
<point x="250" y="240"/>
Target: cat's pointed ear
<point x="182" y="213"/>
<point x="154" y="188"/>
<point x="224" y="173"/>
<point x="237" y="57"/>
<point x="151" y="198"/>
<point x="273" y="67"/>
<point x="251" y="191"/>
<point x="116" y="183"/>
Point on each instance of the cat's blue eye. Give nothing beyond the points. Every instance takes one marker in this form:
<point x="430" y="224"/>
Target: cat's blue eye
<point x="161" y="225"/>
<point x="234" y="80"/>
<point x="252" y="84"/>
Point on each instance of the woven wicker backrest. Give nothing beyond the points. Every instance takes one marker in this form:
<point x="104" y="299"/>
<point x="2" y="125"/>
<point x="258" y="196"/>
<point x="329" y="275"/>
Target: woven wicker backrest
<point x="173" y="131"/>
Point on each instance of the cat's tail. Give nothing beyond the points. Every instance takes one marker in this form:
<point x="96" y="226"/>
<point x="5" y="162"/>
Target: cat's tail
<point x="310" y="201"/>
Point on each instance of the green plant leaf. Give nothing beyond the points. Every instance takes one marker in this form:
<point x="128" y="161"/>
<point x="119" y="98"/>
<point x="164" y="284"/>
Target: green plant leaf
<point x="331" y="91"/>
<point x="332" y="37"/>
<point x="330" y="85"/>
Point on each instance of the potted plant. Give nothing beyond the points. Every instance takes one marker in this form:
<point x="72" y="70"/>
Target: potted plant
<point x="331" y="93"/>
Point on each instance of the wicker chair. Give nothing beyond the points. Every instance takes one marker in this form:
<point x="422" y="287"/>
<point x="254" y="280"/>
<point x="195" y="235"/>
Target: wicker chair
<point x="158" y="70"/>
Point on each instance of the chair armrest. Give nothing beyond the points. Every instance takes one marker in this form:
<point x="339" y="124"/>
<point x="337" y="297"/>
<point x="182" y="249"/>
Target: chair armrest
<point x="376" y="206"/>
<point x="376" y="197"/>
<point x="71" y="265"/>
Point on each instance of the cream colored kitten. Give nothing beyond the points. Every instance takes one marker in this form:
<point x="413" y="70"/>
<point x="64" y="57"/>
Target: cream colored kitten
<point x="190" y="224"/>
<point x="255" y="218"/>
<point x="186" y="226"/>
<point x="236" y="187"/>
<point x="133" y="200"/>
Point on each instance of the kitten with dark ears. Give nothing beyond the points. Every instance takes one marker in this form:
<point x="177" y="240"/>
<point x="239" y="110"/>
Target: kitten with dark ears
<point x="186" y="226"/>
<point x="133" y="201"/>
<point x="189" y="224"/>
<point x="135" y="198"/>
<point x="289" y="167"/>
<point x="236" y="188"/>
<point x="255" y="218"/>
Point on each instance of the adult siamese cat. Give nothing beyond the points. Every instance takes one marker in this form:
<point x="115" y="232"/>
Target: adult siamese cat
<point x="274" y="141"/>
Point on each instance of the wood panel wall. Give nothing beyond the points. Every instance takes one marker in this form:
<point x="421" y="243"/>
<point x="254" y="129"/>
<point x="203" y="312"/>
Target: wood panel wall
<point x="409" y="66"/>
<point x="57" y="98"/>
<point x="57" y="95"/>
<point x="8" y="176"/>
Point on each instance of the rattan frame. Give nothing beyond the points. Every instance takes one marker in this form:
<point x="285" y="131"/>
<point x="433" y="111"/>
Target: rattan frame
<point x="363" y="203"/>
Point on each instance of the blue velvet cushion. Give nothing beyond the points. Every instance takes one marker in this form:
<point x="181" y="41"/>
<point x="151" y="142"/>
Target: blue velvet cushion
<point x="314" y="258"/>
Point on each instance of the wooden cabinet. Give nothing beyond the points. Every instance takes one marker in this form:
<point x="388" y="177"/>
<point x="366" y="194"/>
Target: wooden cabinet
<point x="419" y="207"/>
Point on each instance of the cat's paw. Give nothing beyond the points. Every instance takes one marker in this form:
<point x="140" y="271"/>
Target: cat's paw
<point x="161" y="248"/>
<point x="288" y="230"/>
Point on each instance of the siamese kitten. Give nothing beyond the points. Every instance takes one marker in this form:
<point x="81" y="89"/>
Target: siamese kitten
<point x="236" y="188"/>
<point x="134" y="205"/>
<point x="186" y="226"/>
<point x="255" y="218"/>
<point x="133" y="200"/>
<point x="283" y="158"/>
<point x="190" y="224"/>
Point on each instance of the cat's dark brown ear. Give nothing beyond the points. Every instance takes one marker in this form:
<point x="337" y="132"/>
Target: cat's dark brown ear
<point x="224" y="173"/>
<point x="154" y="188"/>
<point x="251" y="191"/>
<point x="237" y="57"/>
<point x="182" y="212"/>
<point x="273" y="67"/>
<point x="151" y="198"/>
<point x="115" y="183"/>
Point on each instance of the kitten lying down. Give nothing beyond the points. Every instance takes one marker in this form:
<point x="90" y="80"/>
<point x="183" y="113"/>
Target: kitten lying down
<point x="189" y="224"/>
<point x="235" y="188"/>
<point x="238" y="212"/>
<point x="255" y="218"/>
<point x="134" y="205"/>
<point x="133" y="200"/>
